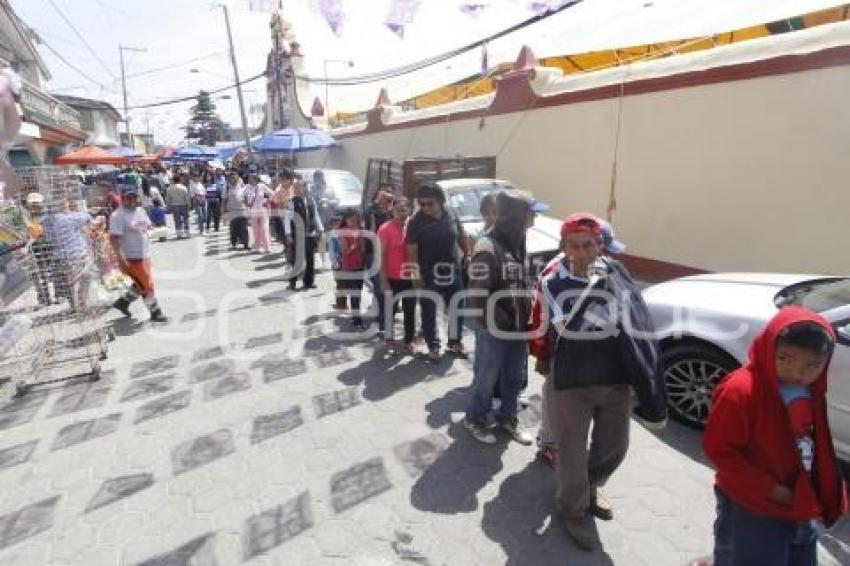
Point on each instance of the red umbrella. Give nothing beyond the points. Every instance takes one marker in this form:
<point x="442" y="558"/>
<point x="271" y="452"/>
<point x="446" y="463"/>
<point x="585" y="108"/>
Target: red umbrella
<point x="90" y="155"/>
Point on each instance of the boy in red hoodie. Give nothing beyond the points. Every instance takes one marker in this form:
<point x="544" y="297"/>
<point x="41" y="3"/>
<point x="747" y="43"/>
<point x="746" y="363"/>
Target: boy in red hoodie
<point x="777" y="477"/>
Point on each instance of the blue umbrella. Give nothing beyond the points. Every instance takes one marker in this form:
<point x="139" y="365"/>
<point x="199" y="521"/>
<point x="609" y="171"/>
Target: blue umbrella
<point x="293" y="140"/>
<point x="193" y="153"/>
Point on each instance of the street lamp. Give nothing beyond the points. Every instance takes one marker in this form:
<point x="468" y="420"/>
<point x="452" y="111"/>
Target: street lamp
<point x="350" y="64"/>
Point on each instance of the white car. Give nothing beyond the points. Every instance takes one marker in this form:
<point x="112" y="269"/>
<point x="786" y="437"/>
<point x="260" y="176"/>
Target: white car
<point x="707" y="322"/>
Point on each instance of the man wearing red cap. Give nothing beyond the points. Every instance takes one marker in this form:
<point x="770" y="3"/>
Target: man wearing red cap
<point x="587" y="376"/>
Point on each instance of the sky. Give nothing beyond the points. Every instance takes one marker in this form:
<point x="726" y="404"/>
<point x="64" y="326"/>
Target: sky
<point x="183" y="35"/>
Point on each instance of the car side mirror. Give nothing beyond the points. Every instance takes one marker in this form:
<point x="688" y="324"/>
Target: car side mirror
<point x="843" y="333"/>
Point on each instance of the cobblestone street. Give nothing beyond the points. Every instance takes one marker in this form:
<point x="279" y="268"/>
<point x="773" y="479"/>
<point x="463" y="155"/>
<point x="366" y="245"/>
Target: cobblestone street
<point x="254" y="428"/>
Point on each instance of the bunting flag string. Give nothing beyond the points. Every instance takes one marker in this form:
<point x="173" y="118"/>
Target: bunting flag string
<point x="267" y="6"/>
<point x="474" y="9"/>
<point x="331" y="11"/>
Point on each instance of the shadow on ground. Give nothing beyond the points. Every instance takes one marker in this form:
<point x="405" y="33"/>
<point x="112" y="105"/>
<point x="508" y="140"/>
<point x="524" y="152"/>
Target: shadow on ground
<point x="382" y="375"/>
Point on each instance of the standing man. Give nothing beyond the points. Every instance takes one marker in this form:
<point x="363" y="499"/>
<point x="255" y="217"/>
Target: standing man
<point x="128" y="230"/>
<point x="179" y="202"/>
<point x="304" y="228"/>
<point x="501" y="297"/>
<point x="434" y="235"/>
<point x="590" y="363"/>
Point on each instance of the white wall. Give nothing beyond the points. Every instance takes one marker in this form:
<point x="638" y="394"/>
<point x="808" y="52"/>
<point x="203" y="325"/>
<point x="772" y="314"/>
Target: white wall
<point x="748" y="175"/>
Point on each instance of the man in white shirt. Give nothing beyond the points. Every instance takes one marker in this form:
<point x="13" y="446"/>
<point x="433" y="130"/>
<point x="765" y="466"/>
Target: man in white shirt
<point x="128" y="231"/>
<point x="179" y="202"/>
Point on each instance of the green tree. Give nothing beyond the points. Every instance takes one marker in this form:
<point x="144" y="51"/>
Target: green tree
<point x="205" y="125"/>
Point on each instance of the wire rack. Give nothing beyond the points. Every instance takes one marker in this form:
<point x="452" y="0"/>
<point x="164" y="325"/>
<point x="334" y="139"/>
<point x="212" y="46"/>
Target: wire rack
<point x="51" y="308"/>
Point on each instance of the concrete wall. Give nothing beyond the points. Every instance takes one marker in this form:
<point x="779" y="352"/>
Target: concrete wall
<point x="750" y="175"/>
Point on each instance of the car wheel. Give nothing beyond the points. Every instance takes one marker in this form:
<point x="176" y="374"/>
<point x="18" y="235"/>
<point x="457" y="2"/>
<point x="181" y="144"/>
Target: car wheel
<point x="691" y="372"/>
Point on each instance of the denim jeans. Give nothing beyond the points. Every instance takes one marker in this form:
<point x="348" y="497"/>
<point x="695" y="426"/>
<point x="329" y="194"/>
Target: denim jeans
<point x="181" y="218"/>
<point x="496" y="361"/>
<point x="742" y="538"/>
<point x="428" y="303"/>
<point x="201" y="211"/>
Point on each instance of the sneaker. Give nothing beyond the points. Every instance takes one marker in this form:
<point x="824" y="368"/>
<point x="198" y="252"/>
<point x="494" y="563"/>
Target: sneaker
<point x="391" y="347"/>
<point x="455" y="348"/>
<point x="513" y="430"/>
<point x="479" y="432"/>
<point x="433" y="355"/>
<point x="122" y="305"/>
<point x="548" y="454"/>
<point x="582" y="533"/>
<point x="157" y="316"/>
<point x="407" y="349"/>
<point x="653" y="425"/>
<point x="600" y="507"/>
<point x="522" y="400"/>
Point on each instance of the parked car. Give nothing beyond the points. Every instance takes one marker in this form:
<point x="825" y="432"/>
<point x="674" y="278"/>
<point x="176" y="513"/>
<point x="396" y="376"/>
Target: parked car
<point x="344" y="190"/>
<point x="707" y="322"/>
<point x="464" y="196"/>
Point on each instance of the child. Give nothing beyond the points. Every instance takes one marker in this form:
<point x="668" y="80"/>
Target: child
<point x="768" y="436"/>
<point x="351" y="260"/>
<point x="157" y="217"/>
<point x="335" y="254"/>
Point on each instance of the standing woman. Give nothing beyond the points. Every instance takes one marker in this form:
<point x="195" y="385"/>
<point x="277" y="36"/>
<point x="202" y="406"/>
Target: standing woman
<point x="199" y="200"/>
<point x="257" y="196"/>
<point x="235" y="211"/>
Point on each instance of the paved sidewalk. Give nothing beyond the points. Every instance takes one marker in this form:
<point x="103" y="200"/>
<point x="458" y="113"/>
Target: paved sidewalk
<point x="250" y="429"/>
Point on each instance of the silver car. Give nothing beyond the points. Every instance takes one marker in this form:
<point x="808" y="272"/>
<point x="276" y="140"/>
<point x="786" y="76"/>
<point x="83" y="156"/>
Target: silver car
<point x="707" y="322"/>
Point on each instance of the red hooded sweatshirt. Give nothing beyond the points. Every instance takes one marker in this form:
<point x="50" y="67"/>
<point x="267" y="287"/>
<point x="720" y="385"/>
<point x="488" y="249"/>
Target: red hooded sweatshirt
<point x="749" y="437"/>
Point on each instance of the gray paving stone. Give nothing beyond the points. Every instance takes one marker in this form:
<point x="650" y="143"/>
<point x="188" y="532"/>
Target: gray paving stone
<point x="306" y="332"/>
<point x="197" y="552"/>
<point x="27" y="521"/>
<point x="213" y="370"/>
<point x="163" y="406"/>
<point x="86" y="430"/>
<point x="274" y="527"/>
<point x="201" y="451"/>
<point x="329" y="403"/>
<point x="325" y="360"/>
<point x="21" y="410"/>
<point x="15" y="455"/>
<point x="358" y="483"/>
<point x="157" y="365"/>
<point x="275" y="424"/>
<point x="80" y="399"/>
<point x="197" y="315"/>
<point x="226" y="386"/>
<point x="417" y="455"/>
<point x="283" y="369"/>
<point x="118" y="488"/>
<point x="266" y="340"/>
<point x="149" y="387"/>
<point x="208" y="354"/>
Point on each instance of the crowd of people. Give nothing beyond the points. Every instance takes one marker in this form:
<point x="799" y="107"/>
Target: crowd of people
<point x="582" y="320"/>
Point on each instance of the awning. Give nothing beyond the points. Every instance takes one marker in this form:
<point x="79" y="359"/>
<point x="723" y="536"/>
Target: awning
<point x="90" y="155"/>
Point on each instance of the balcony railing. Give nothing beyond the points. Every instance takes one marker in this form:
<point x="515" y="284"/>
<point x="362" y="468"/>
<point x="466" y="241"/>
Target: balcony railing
<point x="40" y="107"/>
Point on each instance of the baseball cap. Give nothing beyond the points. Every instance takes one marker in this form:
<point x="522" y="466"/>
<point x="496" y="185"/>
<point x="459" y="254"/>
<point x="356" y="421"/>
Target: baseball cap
<point x="35" y="198"/>
<point x="609" y="239"/>
<point x="128" y="189"/>
<point x="581" y="222"/>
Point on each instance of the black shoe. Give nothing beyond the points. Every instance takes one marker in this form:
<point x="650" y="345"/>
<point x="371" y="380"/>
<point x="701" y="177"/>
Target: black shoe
<point x="311" y="286"/>
<point x="157" y="316"/>
<point x="122" y="305"/>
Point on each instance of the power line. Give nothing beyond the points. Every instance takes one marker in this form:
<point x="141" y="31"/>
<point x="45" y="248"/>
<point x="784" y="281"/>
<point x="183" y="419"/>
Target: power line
<point x="72" y="66"/>
<point x="81" y="38"/>
<point x="194" y="96"/>
<point x="174" y="65"/>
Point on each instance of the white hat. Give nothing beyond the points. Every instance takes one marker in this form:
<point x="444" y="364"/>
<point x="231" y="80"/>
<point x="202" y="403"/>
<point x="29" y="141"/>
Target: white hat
<point x="35" y="198"/>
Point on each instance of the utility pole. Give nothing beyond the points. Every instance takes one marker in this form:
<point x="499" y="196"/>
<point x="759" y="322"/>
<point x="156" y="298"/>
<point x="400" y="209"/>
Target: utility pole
<point x="121" y="50"/>
<point x="236" y="79"/>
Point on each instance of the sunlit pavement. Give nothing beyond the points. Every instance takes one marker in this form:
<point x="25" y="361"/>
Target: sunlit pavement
<point x="248" y="430"/>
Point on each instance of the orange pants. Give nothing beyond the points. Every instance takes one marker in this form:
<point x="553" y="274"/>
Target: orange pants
<point x="139" y="270"/>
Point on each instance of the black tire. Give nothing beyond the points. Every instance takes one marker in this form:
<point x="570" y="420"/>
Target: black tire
<point x="691" y="372"/>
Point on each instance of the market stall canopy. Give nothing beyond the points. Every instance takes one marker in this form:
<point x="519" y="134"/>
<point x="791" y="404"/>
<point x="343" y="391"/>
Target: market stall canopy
<point x="124" y="151"/>
<point x="146" y="158"/>
<point x="90" y="155"/>
<point x="293" y="140"/>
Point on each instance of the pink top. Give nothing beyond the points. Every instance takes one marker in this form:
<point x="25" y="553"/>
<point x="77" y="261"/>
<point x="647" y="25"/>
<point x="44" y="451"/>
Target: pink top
<point x="391" y="236"/>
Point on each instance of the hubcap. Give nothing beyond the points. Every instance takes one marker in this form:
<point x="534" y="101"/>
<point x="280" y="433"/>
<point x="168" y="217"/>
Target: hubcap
<point x="690" y="383"/>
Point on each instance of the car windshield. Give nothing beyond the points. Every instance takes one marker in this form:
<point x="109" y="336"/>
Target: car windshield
<point x="341" y="185"/>
<point x="819" y="295"/>
<point x="466" y="202"/>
